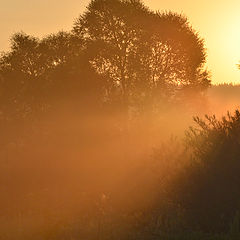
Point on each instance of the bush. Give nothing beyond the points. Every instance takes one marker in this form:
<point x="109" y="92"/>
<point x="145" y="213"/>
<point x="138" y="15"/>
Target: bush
<point x="210" y="192"/>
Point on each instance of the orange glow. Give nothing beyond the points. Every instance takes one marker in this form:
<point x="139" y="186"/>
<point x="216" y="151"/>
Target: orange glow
<point x="103" y="134"/>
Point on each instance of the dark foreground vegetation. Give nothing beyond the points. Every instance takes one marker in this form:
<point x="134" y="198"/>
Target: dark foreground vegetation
<point x="92" y="128"/>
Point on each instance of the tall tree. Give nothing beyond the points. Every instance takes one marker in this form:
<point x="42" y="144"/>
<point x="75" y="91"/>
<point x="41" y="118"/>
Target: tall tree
<point x="140" y="52"/>
<point x="112" y="30"/>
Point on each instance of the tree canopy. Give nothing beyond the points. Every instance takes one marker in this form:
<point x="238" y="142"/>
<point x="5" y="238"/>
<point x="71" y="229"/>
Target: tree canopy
<point x="142" y="54"/>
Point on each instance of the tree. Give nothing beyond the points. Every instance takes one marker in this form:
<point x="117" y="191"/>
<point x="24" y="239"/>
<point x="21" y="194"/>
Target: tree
<point x="110" y="30"/>
<point x="20" y="69"/>
<point x="35" y="71"/>
<point x="142" y="54"/>
<point x="41" y="75"/>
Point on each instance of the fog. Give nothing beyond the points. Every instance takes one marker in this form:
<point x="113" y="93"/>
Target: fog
<point x="106" y="131"/>
<point x="67" y="166"/>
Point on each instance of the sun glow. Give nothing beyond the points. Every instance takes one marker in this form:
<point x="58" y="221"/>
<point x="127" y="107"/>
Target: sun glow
<point x="224" y="54"/>
<point x="230" y="39"/>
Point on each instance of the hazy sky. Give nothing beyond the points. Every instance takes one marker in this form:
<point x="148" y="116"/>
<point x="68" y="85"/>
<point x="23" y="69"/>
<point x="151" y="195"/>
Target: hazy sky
<point x="216" y="21"/>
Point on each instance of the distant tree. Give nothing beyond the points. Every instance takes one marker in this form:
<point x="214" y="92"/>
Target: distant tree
<point x="39" y="75"/>
<point x="20" y="69"/>
<point x="141" y="53"/>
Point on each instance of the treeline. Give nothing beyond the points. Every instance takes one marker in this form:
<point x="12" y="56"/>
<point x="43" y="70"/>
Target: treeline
<point x="80" y="115"/>
<point x="119" y="53"/>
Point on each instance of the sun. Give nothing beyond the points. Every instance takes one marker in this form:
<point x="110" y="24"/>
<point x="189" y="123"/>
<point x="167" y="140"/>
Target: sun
<point x="224" y="54"/>
<point x="230" y="37"/>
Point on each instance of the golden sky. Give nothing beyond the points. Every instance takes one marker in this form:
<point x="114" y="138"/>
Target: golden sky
<point x="216" y="21"/>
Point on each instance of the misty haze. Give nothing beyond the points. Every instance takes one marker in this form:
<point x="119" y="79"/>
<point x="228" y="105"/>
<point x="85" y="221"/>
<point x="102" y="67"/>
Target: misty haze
<point x="115" y="130"/>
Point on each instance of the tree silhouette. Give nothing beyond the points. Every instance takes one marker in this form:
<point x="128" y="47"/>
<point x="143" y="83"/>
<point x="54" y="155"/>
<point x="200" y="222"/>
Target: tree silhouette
<point x="141" y="53"/>
<point x="39" y="76"/>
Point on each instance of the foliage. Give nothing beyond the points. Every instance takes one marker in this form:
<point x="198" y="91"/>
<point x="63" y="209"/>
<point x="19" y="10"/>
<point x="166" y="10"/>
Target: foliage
<point x="144" y="56"/>
<point x="210" y="183"/>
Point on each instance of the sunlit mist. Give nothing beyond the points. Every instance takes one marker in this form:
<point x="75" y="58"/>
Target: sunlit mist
<point x="119" y="120"/>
